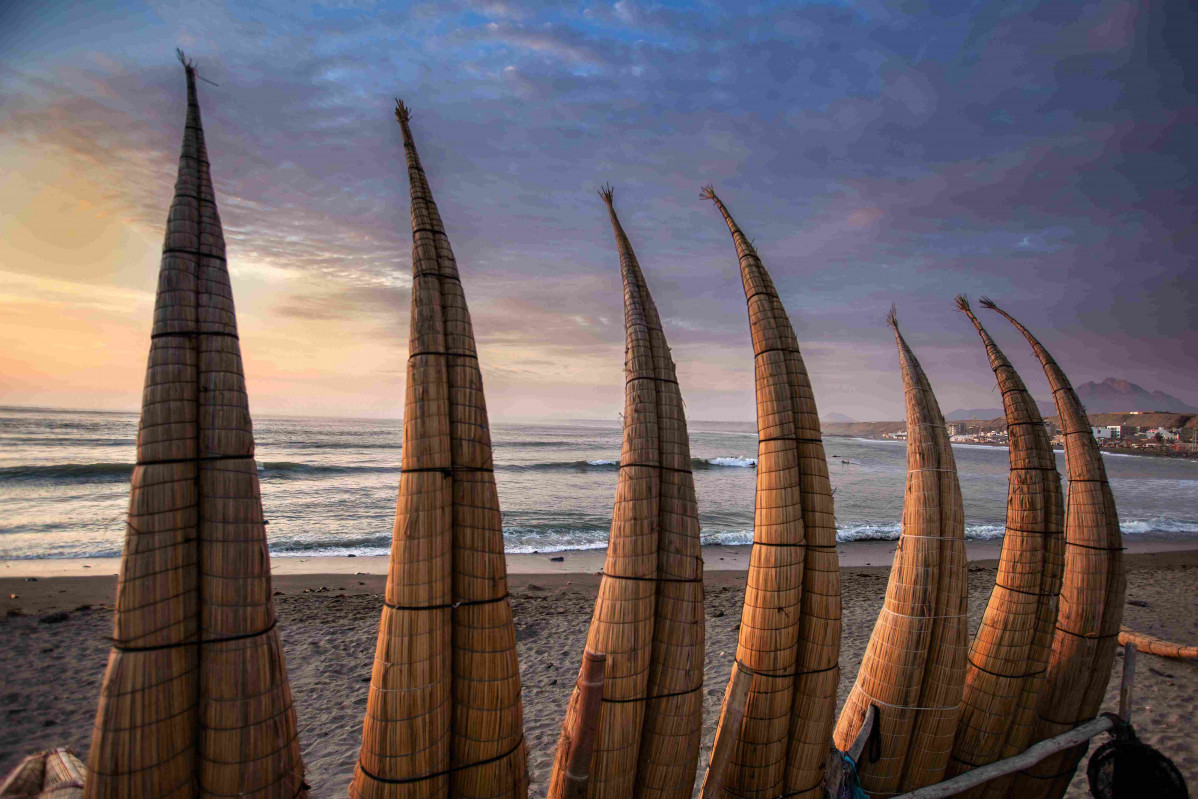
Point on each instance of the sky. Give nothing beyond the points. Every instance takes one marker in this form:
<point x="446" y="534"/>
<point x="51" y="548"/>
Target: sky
<point x="1040" y="153"/>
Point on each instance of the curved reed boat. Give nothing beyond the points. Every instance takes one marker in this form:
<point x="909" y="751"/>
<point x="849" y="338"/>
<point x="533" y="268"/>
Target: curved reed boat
<point x="444" y="716"/>
<point x="1092" y="590"/>
<point x="790" y="624"/>
<point x="648" y="618"/>
<point x="52" y="774"/>
<point x="913" y="670"/>
<point x="1009" y="655"/>
<point x="195" y="699"/>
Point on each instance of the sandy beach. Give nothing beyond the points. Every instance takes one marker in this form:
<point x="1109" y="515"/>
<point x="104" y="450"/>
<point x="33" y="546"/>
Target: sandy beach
<point x="55" y="630"/>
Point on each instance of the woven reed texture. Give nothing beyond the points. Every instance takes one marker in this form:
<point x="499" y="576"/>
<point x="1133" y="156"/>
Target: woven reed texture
<point x="52" y="774"/>
<point x="444" y="716"/>
<point x="1009" y="655"/>
<point x="195" y="701"/>
<point x="914" y="665"/>
<point x="1157" y="646"/>
<point x="1092" y="590"/>
<point x="648" y="618"/>
<point x="790" y="624"/>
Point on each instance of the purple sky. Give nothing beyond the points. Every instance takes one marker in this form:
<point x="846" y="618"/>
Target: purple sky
<point x="1040" y="153"/>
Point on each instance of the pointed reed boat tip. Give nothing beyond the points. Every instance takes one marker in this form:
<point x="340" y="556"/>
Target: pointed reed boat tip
<point x="892" y="317"/>
<point x="403" y="113"/>
<point x="707" y="192"/>
<point x="986" y="302"/>
<point x="962" y="303"/>
<point x="606" y="192"/>
<point x="188" y="64"/>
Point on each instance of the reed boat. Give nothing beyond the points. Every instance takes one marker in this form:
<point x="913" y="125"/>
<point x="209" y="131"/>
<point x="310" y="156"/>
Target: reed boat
<point x="648" y="620"/>
<point x="443" y="716"/>
<point x="790" y="624"/>
<point x="195" y="699"/>
<point x="52" y="774"/>
<point x="1092" y="590"/>
<point x="1009" y="655"/>
<point x="913" y="670"/>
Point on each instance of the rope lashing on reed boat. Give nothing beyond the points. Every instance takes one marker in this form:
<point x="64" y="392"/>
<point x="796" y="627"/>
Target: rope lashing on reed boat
<point x="651" y="698"/>
<point x="1032" y="468"/>
<point x="197" y="459"/>
<point x="655" y="466"/>
<point x="461" y="603"/>
<point x="1021" y="591"/>
<point x="445" y="772"/>
<point x="438" y="275"/>
<point x="184" y="333"/>
<point x="179" y="644"/>
<point x="791" y="350"/>
<point x="435" y="232"/>
<point x="1099" y="549"/>
<point x="451" y="354"/>
<point x="658" y="379"/>
<point x="196" y="253"/>
<point x="652" y="579"/>
<point x="1034" y="532"/>
<point x="448" y="470"/>
<point x="1091" y="637"/>
<point x="1006" y="676"/>
<point x="904" y="707"/>
<point x="787" y="675"/>
<point x="799" y="439"/>
<point x="909" y="616"/>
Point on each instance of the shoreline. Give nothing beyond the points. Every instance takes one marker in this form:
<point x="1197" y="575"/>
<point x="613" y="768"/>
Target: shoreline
<point x="716" y="558"/>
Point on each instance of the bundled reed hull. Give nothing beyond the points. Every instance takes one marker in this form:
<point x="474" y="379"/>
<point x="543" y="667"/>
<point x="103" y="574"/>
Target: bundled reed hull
<point x="1009" y="655"/>
<point x="914" y="665"/>
<point x="195" y="700"/>
<point x="1092" y="591"/>
<point x="790" y="624"/>
<point x="444" y="716"/>
<point x="53" y="774"/>
<point x="648" y="619"/>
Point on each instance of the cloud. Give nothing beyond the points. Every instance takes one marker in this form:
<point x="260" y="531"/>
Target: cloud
<point x="1039" y="153"/>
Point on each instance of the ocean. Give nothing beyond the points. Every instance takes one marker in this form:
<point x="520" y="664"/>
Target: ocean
<point x="329" y="485"/>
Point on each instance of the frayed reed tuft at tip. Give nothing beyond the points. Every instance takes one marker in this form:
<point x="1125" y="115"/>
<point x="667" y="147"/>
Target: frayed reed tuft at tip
<point x="189" y="65"/>
<point x="892" y="316"/>
<point x="986" y="302"/>
<point x="707" y="192"/>
<point x="606" y="193"/>
<point x="403" y="113"/>
<point x="962" y="303"/>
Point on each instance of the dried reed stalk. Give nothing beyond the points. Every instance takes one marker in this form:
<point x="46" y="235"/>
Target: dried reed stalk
<point x="1157" y="646"/>
<point x="444" y="716"/>
<point x="1010" y="652"/>
<point x="790" y="623"/>
<point x="648" y="617"/>
<point x="195" y="700"/>
<point x="1092" y="590"/>
<point x="914" y="664"/>
<point x="52" y="774"/>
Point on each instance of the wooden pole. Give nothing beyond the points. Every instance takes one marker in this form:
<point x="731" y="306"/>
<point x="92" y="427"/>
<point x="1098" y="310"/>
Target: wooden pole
<point x="580" y="742"/>
<point x="731" y="716"/>
<point x="1028" y="758"/>
<point x="1129" y="676"/>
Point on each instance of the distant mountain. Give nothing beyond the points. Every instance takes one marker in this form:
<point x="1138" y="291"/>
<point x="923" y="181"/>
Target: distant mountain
<point x="1113" y="395"/>
<point x="836" y="418"/>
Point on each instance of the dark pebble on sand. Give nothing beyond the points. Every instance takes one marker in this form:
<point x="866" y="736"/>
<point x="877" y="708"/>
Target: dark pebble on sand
<point x="535" y="587"/>
<point x="31" y="579"/>
<point x="49" y="723"/>
<point x="83" y="607"/>
<point x="715" y="614"/>
<point x="351" y="555"/>
<point x="553" y="682"/>
<point x="1139" y="603"/>
<point x="54" y="618"/>
<point x="558" y="559"/>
